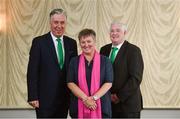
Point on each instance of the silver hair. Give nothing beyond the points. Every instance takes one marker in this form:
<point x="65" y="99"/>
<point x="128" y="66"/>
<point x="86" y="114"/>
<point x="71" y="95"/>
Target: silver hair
<point x="121" y="25"/>
<point x="57" y="11"/>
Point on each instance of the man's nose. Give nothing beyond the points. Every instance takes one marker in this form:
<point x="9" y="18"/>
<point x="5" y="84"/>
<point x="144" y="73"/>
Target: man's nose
<point x="86" y="44"/>
<point x="59" y="24"/>
<point x="113" y="33"/>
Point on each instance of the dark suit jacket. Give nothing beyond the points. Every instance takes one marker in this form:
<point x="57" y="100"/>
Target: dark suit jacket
<point x="128" y="72"/>
<point x="106" y="75"/>
<point x="46" y="81"/>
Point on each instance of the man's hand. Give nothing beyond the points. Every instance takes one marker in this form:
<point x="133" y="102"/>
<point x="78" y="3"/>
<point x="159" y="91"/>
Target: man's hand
<point x="114" y="98"/>
<point x="34" y="103"/>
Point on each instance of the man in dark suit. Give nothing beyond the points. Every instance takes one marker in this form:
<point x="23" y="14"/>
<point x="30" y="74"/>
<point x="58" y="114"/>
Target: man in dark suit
<point x="128" y="71"/>
<point x="50" y="55"/>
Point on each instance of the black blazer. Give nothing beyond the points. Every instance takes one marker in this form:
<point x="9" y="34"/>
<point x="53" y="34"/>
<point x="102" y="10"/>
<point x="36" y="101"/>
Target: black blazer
<point x="128" y="71"/>
<point x="46" y="81"/>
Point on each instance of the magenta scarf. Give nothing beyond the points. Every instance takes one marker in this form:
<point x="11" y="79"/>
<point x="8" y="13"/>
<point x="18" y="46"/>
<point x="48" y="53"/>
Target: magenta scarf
<point x="83" y="111"/>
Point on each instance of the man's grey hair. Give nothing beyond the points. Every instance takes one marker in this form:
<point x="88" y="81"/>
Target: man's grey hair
<point x="57" y="11"/>
<point x="121" y="25"/>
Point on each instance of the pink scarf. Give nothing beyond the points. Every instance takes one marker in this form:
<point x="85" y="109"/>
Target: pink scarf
<point x="83" y="111"/>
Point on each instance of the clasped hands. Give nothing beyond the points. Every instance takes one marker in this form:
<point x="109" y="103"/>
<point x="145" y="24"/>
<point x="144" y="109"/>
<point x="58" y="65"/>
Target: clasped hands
<point x="90" y="103"/>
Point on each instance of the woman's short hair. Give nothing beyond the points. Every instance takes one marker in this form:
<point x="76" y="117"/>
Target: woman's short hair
<point x="86" y="32"/>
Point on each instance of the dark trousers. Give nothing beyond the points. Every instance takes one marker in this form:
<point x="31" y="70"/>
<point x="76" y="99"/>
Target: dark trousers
<point x="40" y="113"/>
<point x="126" y="115"/>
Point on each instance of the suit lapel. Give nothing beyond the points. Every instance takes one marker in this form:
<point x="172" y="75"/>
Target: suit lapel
<point x="108" y="50"/>
<point x="65" y="47"/>
<point x="121" y="52"/>
<point x="66" y="50"/>
<point x="51" y="47"/>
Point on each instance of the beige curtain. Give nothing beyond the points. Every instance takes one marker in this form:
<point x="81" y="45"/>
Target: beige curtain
<point x="153" y="25"/>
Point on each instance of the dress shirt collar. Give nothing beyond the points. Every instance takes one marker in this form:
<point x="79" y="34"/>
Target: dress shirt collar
<point x="118" y="46"/>
<point x="55" y="38"/>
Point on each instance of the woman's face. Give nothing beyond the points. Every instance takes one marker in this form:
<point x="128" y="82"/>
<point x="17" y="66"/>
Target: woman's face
<point x="87" y="44"/>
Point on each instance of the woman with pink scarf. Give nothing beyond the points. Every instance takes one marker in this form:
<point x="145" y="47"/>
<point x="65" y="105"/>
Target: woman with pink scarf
<point x="90" y="77"/>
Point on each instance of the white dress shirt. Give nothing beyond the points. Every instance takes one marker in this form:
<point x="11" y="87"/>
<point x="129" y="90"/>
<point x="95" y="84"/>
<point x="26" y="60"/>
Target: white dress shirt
<point x="56" y="43"/>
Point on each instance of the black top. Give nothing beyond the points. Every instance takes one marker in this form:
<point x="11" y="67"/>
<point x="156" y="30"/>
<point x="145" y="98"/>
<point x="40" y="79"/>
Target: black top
<point x="88" y="67"/>
<point x="106" y="75"/>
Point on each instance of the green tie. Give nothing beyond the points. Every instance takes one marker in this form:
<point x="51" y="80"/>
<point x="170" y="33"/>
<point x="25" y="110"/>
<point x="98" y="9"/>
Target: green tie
<point x="60" y="53"/>
<point x="113" y="54"/>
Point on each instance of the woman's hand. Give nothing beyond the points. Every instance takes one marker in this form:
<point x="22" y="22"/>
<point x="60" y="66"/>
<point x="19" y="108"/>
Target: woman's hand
<point x="90" y="103"/>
